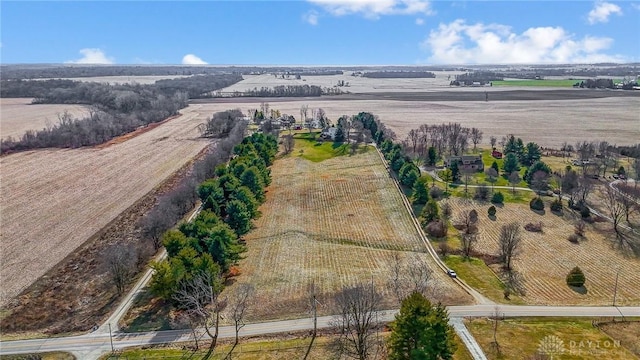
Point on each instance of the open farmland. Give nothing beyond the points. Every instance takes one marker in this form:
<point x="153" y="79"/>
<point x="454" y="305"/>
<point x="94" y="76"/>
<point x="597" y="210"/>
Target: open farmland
<point x="336" y="222"/>
<point x="53" y="200"/>
<point x="357" y="84"/>
<point x="546" y="122"/>
<point x="548" y="257"/>
<point x="18" y="115"/>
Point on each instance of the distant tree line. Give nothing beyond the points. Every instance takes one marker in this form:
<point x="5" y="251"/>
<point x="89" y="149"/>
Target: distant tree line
<point x="482" y="77"/>
<point x="398" y="74"/>
<point x="115" y="109"/>
<point x="288" y="91"/>
<point x="595" y="84"/>
<point x="76" y="71"/>
<point x="200" y="86"/>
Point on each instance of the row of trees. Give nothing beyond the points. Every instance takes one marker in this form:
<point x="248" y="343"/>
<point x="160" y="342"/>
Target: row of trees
<point x="429" y="143"/>
<point x="172" y="206"/>
<point x="114" y="109"/>
<point x="287" y="91"/>
<point x="398" y="74"/>
<point x="201" y="253"/>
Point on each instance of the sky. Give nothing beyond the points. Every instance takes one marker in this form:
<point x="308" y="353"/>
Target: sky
<point x="320" y="32"/>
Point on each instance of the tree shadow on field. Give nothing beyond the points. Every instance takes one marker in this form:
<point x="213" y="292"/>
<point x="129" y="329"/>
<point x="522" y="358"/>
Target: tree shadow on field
<point x="582" y="290"/>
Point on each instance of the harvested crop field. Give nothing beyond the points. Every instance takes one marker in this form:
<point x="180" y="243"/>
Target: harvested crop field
<point x="546" y="122"/>
<point x="18" y="115"/>
<point x="548" y="257"/>
<point x="336" y="222"/>
<point x="53" y="200"/>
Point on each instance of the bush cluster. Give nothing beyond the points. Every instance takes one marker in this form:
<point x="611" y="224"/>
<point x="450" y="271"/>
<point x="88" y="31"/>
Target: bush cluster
<point x="537" y="204"/>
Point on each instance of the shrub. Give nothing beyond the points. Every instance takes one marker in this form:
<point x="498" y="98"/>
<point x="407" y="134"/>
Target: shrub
<point x="492" y="210"/>
<point x="437" y="228"/>
<point x="576" y="277"/>
<point x="497" y="198"/>
<point x="574" y="238"/>
<point x="579" y="227"/>
<point x="534" y="227"/>
<point x="584" y="211"/>
<point x="444" y="249"/>
<point x="436" y="193"/>
<point x="537" y="204"/>
<point x="482" y="193"/>
<point x="556" y="206"/>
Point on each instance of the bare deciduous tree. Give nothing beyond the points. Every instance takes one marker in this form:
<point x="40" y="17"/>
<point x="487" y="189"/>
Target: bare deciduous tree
<point x="514" y="179"/>
<point x="493" y="141"/>
<point x="615" y="209"/>
<point x="356" y="322"/>
<point x="121" y="261"/>
<point x="476" y="137"/>
<point x="468" y="224"/>
<point x="199" y="297"/>
<point x="408" y="275"/>
<point x="237" y="308"/>
<point x="510" y="243"/>
<point x="288" y="143"/>
<point x="304" y="110"/>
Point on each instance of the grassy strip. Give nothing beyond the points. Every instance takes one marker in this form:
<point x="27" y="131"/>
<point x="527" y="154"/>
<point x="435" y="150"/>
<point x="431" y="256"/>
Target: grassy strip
<point x="292" y="348"/>
<point x="541" y="83"/>
<point x="56" y="355"/>
<point x="480" y="277"/>
<point x="525" y="338"/>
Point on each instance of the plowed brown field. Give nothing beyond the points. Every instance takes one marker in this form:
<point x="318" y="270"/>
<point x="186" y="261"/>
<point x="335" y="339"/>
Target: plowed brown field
<point x="336" y="222"/>
<point x="54" y="200"/>
<point x="18" y="116"/>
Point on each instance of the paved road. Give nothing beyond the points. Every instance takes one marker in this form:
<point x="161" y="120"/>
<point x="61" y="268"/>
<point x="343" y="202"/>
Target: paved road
<point x="92" y="345"/>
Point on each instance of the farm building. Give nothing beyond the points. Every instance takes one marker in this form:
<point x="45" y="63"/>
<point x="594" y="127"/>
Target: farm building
<point x="466" y="162"/>
<point x="329" y="133"/>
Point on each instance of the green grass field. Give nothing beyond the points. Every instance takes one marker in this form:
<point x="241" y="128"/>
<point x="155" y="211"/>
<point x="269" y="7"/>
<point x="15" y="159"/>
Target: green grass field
<point x="480" y="277"/>
<point x="542" y="83"/>
<point x="308" y="147"/>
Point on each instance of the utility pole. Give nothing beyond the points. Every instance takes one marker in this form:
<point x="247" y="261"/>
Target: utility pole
<point x="314" y="310"/>
<point x="615" y="288"/>
<point x="111" y="339"/>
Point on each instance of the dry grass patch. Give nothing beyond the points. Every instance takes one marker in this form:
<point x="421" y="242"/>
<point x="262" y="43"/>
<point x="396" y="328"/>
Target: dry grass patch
<point x="522" y="338"/>
<point x="627" y="333"/>
<point x="336" y="222"/>
<point x="548" y="257"/>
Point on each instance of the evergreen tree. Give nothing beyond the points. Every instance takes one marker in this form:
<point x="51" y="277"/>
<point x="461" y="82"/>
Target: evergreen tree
<point x="420" y="193"/>
<point x="510" y="163"/>
<point x="532" y="154"/>
<point x="421" y="331"/>
<point x="432" y="156"/>
<point x="339" y="138"/>
<point x="455" y="171"/>
<point x="238" y="217"/>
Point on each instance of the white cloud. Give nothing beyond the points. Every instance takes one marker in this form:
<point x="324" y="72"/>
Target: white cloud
<point x="462" y="43"/>
<point x="601" y="12"/>
<point x="191" y="59"/>
<point x="419" y="21"/>
<point x="311" y="17"/>
<point x="374" y="8"/>
<point x="92" y="56"/>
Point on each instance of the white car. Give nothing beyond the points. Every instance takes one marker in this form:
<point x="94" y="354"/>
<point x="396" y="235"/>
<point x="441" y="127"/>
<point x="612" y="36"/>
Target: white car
<point x="452" y="273"/>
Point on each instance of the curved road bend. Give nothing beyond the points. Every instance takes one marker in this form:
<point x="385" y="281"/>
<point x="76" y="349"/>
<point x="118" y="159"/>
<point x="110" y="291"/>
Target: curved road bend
<point x="92" y="345"/>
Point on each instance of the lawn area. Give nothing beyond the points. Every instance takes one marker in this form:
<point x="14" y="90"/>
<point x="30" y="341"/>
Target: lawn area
<point x="480" y="277"/>
<point x="307" y="147"/>
<point x="560" y="338"/>
<point x="543" y="83"/>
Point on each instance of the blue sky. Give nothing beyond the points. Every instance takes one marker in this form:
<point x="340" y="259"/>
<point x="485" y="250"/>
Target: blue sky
<point x="320" y="32"/>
